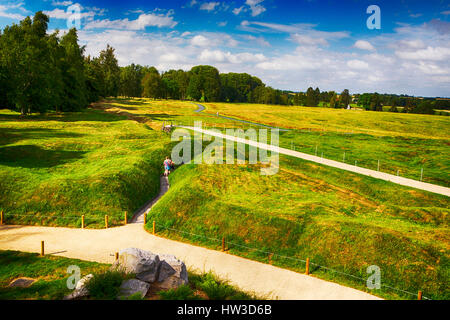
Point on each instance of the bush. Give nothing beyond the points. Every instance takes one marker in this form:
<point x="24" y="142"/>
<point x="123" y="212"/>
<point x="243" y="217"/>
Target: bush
<point x="215" y="289"/>
<point x="182" y="293"/>
<point x="105" y="286"/>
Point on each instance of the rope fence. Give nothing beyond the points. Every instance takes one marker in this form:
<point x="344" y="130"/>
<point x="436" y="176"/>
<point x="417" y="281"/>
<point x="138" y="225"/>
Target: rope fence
<point x="273" y="254"/>
<point x="418" y="173"/>
<point x="224" y="244"/>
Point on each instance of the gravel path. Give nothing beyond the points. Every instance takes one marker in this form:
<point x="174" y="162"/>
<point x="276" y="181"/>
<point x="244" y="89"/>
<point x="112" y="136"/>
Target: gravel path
<point x="100" y="245"/>
<point x="335" y="164"/>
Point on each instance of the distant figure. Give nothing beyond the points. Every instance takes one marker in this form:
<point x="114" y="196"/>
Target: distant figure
<point x="217" y="113"/>
<point x="168" y="166"/>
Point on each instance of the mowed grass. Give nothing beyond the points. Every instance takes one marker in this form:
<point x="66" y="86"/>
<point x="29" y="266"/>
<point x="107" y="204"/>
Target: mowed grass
<point x="55" y="168"/>
<point x="51" y="273"/>
<point x="403" y="143"/>
<point x="346" y="222"/>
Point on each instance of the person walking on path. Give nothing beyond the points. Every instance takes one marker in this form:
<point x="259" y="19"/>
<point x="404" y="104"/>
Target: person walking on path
<point x="168" y="166"/>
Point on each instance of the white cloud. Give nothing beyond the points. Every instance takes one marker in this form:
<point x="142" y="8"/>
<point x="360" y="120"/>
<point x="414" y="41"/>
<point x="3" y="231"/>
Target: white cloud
<point x="259" y="40"/>
<point x="143" y="21"/>
<point x="410" y="60"/>
<point x="255" y="7"/>
<point x="308" y="41"/>
<point x="237" y="11"/>
<point x="364" y="45"/>
<point x="62" y="3"/>
<point x="200" y="41"/>
<point x="10" y="15"/>
<point x="357" y="64"/>
<point x="430" y="53"/>
<point x="446" y="13"/>
<point x="209" y="6"/>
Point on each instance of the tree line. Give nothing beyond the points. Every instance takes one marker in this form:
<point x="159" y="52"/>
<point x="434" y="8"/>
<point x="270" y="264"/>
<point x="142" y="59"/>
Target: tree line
<point x="41" y="72"/>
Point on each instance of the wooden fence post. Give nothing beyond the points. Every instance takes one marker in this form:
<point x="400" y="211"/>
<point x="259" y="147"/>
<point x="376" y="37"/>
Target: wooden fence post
<point x="126" y="218"/>
<point x="82" y="222"/>
<point x="419" y="295"/>
<point x="307" y="266"/>
<point x="154" y="227"/>
<point x="42" y="249"/>
<point x="117" y="256"/>
<point x="145" y="218"/>
<point x="223" y="244"/>
<point x="106" y="221"/>
<point x="1" y="217"/>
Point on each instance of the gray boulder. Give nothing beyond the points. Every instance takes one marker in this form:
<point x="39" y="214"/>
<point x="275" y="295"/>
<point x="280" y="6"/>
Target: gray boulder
<point x="172" y="273"/>
<point x="133" y="286"/>
<point x="80" y="290"/>
<point x="142" y="263"/>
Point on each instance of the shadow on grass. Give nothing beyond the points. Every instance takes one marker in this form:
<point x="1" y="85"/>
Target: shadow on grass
<point x="85" y="116"/>
<point x="14" y="135"/>
<point x="29" y="156"/>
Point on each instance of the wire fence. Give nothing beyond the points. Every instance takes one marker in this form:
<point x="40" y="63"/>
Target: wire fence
<point x="274" y="254"/>
<point x="418" y="173"/>
<point x="229" y="245"/>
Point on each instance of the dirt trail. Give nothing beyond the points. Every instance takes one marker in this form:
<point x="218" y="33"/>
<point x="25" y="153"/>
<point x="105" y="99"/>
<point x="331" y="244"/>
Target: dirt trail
<point x="100" y="245"/>
<point x="139" y="215"/>
<point x="331" y="163"/>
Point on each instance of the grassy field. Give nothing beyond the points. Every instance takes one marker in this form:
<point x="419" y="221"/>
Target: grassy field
<point x="55" y="168"/>
<point x="51" y="275"/>
<point x="97" y="163"/>
<point x="345" y="222"/>
<point x="403" y="143"/>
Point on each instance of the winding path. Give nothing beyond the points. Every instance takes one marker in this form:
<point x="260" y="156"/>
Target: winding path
<point x="100" y="245"/>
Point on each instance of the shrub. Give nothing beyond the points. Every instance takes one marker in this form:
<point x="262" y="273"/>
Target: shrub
<point x="182" y="293"/>
<point x="105" y="286"/>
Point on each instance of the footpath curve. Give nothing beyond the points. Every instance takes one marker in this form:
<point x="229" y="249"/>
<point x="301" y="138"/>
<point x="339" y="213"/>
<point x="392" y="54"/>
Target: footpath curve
<point x="100" y="245"/>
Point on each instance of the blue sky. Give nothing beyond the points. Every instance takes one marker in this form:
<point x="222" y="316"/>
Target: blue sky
<point x="288" y="44"/>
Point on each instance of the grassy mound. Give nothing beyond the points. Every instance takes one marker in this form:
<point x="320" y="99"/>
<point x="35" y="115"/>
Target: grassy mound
<point x="344" y="222"/>
<point x="55" y="168"/>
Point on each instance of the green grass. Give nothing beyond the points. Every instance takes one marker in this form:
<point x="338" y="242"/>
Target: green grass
<point x="403" y="143"/>
<point x="55" y="168"/>
<point x="344" y="222"/>
<point x="51" y="273"/>
<point x="97" y="163"/>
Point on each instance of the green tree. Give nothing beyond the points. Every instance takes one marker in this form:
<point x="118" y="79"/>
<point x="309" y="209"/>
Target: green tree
<point x="131" y="81"/>
<point x="26" y="61"/>
<point x="111" y="72"/>
<point x="311" y="97"/>
<point x="204" y="84"/>
<point x="345" y="99"/>
<point x="333" y="100"/>
<point x="73" y="73"/>
<point x="152" y="85"/>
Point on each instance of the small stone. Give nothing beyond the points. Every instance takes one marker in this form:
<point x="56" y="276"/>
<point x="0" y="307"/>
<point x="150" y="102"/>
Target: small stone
<point x="23" y="282"/>
<point x="80" y="290"/>
<point x="133" y="286"/>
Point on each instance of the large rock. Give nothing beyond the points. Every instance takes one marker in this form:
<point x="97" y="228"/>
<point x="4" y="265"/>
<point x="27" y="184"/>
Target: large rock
<point x="80" y="290"/>
<point x="142" y="263"/>
<point x="172" y="273"/>
<point x="133" y="286"/>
